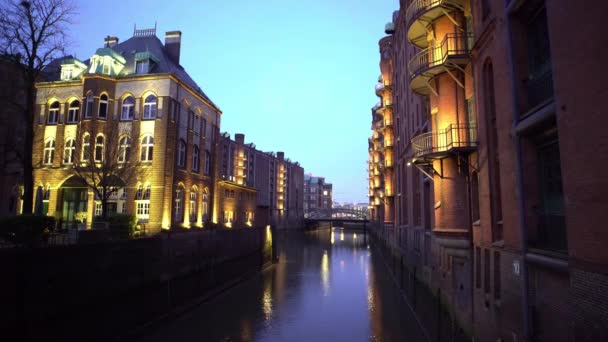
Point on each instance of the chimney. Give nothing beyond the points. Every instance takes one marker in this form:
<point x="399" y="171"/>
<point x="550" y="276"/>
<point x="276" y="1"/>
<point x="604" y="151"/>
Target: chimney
<point x="173" y="43"/>
<point x="239" y="138"/>
<point x="110" y="41"/>
<point x="281" y="156"/>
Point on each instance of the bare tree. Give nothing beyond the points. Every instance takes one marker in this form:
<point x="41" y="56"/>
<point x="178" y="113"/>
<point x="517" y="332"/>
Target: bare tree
<point x="33" y="33"/>
<point x="108" y="160"/>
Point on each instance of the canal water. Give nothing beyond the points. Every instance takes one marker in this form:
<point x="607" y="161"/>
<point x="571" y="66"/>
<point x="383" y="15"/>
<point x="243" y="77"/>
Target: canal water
<point x="326" y="286"/>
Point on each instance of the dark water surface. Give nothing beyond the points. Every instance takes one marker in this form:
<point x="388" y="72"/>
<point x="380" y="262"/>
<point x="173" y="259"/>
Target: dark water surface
<point x="322" y="289"/>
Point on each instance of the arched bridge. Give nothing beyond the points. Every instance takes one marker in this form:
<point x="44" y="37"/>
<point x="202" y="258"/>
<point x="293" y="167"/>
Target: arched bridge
<point x="337" y="214"/>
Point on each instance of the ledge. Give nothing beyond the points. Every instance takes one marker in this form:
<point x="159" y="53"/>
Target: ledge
<point x="548" y="261"/>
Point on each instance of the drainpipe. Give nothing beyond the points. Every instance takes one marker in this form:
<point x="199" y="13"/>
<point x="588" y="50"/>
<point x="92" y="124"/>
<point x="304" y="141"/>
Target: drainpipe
<point x="519" y="179"/>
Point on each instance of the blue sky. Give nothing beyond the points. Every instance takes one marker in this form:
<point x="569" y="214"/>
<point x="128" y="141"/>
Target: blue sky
<point x="292" y="75"/>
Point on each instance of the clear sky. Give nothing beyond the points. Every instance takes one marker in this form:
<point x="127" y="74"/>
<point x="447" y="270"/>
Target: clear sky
<point x="292" y="75"/>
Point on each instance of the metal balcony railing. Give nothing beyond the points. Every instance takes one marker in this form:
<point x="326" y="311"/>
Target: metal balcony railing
<point x="419" y="7"/>
<point x="455" y="136"/>
<point x="454" y="44"/>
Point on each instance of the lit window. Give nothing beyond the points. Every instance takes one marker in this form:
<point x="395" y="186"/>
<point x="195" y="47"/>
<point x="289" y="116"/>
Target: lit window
<point x="53" y="113"/>
<point x="106" y="67"/>
<point x="98" y="208"/>
<point x="99" y="148"/>
<point x="193" y="204"/>
<point x="88" y="108"/>
<point x="128" y="106"/>
<point x="103" y="106"/>
<point x="124" y="149"/>
<point x="86" y="145"/>
<point x="68" y="151"/>
<point x="181" y="154"/>
<point x="179" y="208"/>
<point x="195" y="158"/>
<point x="147" y="148"/>
<point x="150" y="107"/>
<point x="143" y="210"/>
<point x="49" y="151"/>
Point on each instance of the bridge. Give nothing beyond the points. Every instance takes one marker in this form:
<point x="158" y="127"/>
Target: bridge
<point x="337" y="215"/>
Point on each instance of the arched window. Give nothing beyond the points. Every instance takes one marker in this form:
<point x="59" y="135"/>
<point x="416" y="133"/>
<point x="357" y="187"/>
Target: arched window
<point x="193" y="204"/>
<point x="68" y="151"/>
<point x="195" y="158"/>
<point x="124" y="149"/>
<point x="178" y="208"/>
<point x="140" y="192"/>
<point x="150" y="107"/>
<point x="53" y="113"/>
<point x="205" y="205"/>
<point x="128" y="105"/>
<point x="103" y="106"/>
<point x="207" y="162"/>
<point x="49" y="151"/>
<point x="147" y="148"/>
<point x="99" y="148"/>
<point x="88" y="108"/>
<point x="86" y="147"/>
<point x="181" y="154"/>
<point x="73" y="111"/>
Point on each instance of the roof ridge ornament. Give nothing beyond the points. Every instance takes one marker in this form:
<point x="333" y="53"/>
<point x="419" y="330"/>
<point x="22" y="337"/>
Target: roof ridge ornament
<point x="144" y="32"/>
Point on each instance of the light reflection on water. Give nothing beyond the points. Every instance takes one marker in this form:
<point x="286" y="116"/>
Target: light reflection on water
<point x="322" y="289"/>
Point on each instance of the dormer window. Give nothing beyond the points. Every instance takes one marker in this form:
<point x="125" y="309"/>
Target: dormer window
<point x="142" y="67"/>
<point x="106" y="67"/>
<point x="71" y="68"/>
<point x="144" y="61"/>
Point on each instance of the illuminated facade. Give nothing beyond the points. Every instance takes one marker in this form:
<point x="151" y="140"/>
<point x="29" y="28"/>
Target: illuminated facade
<point x="165" y="121"/>
<point x="257" y="188"/>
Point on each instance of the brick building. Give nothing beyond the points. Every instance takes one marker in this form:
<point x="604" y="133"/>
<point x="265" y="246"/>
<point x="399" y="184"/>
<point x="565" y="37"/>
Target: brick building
<point x="139" y="89"/>
<point x="266" y="187"/>
<point x="498" y="184"/>
<point x="318" y="194"/>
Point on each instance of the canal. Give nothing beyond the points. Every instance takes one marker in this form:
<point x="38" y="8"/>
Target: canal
<point x="325" y="287"/>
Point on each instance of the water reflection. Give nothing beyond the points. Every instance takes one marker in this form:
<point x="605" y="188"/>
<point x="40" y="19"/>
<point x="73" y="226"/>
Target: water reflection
<point x="322" y="289"/>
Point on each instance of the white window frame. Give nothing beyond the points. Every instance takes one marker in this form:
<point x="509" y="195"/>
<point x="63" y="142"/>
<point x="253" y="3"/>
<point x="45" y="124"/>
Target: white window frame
<point x="102" y="145"/>
<point x="147" y="148"/>
<point x="103" y="102"/>
<point x="193" y="205"/>
<point x="150" y="107"/>
<point x="127" y="109"/>
<point x="73" y="112"/>
<point x="124" y="149"/>
<point x="86" y="145"/>
<point x="69" y="150"/>
<point x="49" y="151"/>
<point x="53" y="113"/>
<point x="142" y="66"/>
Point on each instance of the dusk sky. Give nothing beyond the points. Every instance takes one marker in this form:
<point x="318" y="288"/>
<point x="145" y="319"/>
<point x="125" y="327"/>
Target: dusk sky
<point x="292" y="75"/>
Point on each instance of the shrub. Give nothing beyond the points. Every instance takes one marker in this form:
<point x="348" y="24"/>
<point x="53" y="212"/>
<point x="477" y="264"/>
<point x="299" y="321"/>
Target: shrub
<point x="26" y="229"/>
<point x="123" y="224"/>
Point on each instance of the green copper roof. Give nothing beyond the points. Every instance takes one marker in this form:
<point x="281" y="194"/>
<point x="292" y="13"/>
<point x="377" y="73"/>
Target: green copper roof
<point x="111" y="53"/>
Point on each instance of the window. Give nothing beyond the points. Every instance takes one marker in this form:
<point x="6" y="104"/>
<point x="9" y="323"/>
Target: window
<point x="99" y="148"/>
<point x="86" y="146"/>
<point x="193" y="204"/>
<point x="124" y="149"/>
<point x="49" y="151"/>
<point x="204" y="128"/>
<point x="142" y="203"/>
<point x="205" y="205"/>
<point x="98" y="208"/>
<point x="103" y="106"/>
<point x="142" y="67"/>
<point x="195" y="158"/>
<point x="181" y="154"/>
<point x="207" y="162"/>
<point x="150" y="107"/>
<point x="88" y="108"/>
<point x="197" y="124"/>
<point x="53" y="113"/>
<point x="68" y="151"/>
<point x="178" y="209"/>
<point x="128" y="105"/>
<point x="73" y="111"/>
<point x="147" y="148"/>
<point x="106" y="67"/>
<point x="485" y="8"/>
<point x="540" y="78"/>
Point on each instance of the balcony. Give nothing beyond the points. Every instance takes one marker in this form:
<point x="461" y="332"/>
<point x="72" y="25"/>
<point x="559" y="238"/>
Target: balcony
<point x="420" y="13"/>
<point x="450" y="53"/>
<point x="435" y="145"/>
<point x="379" y="88"/>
